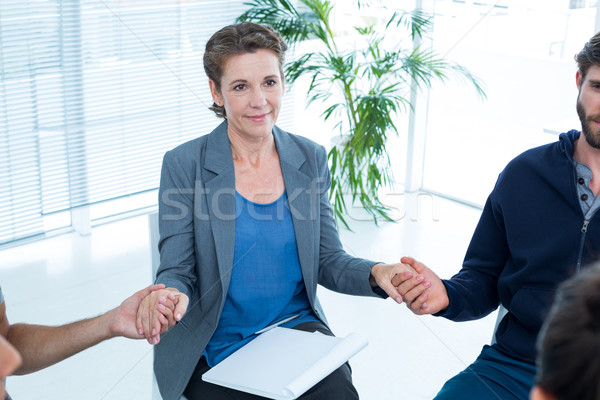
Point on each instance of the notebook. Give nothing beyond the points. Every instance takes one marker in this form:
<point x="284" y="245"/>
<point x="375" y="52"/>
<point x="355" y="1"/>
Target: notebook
<point x="284" y="363"/>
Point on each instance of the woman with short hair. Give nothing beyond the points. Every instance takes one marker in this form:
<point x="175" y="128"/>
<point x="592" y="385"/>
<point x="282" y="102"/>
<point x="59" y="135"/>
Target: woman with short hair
<point x="246" y="228"/>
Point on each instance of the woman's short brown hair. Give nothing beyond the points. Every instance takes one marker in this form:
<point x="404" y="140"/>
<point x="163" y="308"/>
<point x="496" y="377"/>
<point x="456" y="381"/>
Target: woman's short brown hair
<point x="246" y="37"/>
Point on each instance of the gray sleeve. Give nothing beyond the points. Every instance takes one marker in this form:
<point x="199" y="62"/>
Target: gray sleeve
<point x="176" y="227"/>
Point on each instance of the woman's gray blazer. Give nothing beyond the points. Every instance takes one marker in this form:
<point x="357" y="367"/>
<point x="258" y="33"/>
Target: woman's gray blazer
<point x="197" y="233"/>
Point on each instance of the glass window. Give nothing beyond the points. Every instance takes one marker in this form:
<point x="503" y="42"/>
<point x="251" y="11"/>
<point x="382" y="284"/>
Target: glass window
<point x="92" y="94"/>
<point x="523" y="51"/>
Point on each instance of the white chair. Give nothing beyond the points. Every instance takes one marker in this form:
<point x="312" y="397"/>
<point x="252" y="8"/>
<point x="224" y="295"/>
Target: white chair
<point x="502" y="311"/>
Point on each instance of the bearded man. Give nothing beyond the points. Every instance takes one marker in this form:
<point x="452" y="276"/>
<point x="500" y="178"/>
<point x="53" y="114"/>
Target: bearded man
<point x="539" y="227"/>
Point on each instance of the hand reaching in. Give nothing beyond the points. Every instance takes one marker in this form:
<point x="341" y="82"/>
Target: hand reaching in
<point x="123" y="318"/>
<point x="160" y="311"/>
<point x="384" y="276"/>
<point x="422" y="302"/>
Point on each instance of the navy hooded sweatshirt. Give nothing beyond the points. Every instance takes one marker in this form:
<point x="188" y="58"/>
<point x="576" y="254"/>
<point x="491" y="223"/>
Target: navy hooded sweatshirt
<point x="531" y="236"/>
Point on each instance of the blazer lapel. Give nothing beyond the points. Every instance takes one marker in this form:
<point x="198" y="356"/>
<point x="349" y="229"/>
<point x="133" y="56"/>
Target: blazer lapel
<point x="303" y="206"/>
<point x="220" y="195"/>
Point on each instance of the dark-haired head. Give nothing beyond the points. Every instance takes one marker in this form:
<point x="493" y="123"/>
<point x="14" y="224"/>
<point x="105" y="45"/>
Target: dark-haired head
<point x="569" y="342"/>
<point x="246" y="37"/>
<point x="589" y="55"/>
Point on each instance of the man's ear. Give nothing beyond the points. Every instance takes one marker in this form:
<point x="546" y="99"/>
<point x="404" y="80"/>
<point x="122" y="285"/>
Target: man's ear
<point x="578" y="80"/>
<point x="537" y="393"/>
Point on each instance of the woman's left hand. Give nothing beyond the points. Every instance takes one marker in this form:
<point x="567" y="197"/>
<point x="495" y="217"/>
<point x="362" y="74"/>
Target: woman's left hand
<point x="383" y="274"/>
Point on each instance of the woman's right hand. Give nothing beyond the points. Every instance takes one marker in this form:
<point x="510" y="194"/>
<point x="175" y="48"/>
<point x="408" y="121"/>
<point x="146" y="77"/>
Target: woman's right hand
<point x="159" y="311"/>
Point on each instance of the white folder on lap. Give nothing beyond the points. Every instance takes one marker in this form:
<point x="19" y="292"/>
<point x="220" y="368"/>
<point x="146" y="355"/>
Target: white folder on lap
<point x="284" y="363"/>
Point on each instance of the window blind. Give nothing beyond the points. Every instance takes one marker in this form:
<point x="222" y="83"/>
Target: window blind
<point x="92" y="94"/>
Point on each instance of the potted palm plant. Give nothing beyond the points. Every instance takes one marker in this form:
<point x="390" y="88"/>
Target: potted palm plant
<point x="363" y="88"/>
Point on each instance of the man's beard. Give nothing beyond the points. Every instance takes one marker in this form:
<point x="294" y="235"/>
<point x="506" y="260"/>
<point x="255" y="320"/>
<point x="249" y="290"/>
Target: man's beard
<point x="588" y="128"/>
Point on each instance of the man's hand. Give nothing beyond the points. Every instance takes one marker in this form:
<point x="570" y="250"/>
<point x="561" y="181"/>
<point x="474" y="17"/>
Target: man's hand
<point x="422" y="302"/>
<point x="384" y="276"/>
<point x="41" y="346"/>
<point x="123" y="318"/>
<point x="159" y="311"/>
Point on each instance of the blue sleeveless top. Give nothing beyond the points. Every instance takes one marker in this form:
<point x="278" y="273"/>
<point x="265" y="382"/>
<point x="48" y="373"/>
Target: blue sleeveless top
<point x="266" y="282"/>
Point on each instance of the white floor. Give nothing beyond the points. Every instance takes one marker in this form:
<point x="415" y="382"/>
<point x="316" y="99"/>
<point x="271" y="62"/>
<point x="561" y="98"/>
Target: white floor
<point x="64" y="278"/>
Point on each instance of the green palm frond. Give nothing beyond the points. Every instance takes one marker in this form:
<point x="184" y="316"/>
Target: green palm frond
<point x="293" y="26"/>
<point x="416" y="22"/>
<point x="363" y="90"/>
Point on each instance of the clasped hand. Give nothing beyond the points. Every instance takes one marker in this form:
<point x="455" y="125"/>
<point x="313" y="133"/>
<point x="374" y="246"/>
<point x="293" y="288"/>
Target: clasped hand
<point x="408" y="281"/>
<point x="159" y="311"/>
<point x="400" y="281"/>
<point x="413" y="283"/>
<point x="421" y="299"/>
